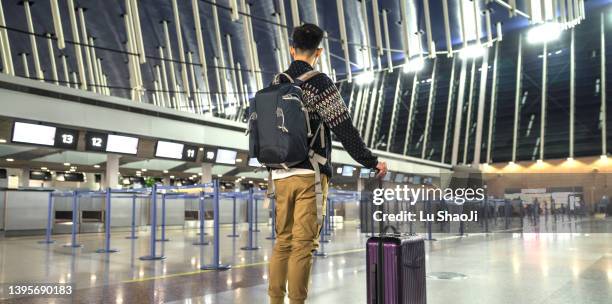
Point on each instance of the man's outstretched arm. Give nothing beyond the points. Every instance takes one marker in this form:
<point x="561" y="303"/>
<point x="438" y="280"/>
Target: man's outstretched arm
<point x="329" y="105"/>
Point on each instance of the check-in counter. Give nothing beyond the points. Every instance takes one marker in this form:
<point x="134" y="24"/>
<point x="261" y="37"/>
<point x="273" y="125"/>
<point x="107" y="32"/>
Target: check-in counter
<point x="25" y="211"/>
<point x="226" y="210"/>
<point x="121" y="210"/>
<point x="2" y="199"/>
<point x="175" y="211"/>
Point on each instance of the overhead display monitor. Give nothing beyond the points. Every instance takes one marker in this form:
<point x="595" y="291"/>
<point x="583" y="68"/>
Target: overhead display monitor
<point x="168" y="149"/>
<point x="190" y="153"/>
<point x="38" y="134"/>
<point x="399" y="178"/>
<point x="66" y="138"/>
<point x="40" y="175"/>
<point x="101" y="142"/>
<point x="227" y="157"/>
<point x="33" y="134"/>
<point x="364" y="173"/>
<point x="122" y="144"/>
<point x="347" y="170"/>
<point x="210" y="154"/>
<point x="95" y="141"/>
<point x="253" y="162"/>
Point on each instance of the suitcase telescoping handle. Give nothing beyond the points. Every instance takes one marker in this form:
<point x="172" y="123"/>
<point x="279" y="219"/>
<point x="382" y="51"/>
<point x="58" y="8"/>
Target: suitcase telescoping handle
<point x="380" y="276"/>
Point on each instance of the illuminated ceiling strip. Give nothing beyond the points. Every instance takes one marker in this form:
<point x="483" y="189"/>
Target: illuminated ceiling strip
<point x="484" y="68"/>
<point x="377" y="32"/>
<point x="447" y="32"/>
<point x="343" y="37"/>
<point x="138" y="31"/>
<point x="295" y="13"/>
<point x="181" y="49"/>
<point x="57" y="24"/>
<point x="201" y="49"/>
<point x="28" y="13"/>
<point x="387" y="41"/>
<point x="90" y="72"/>
<point x="430" y="44"/>
<point x="77" y="46"/>
<point x="54" y="75"/>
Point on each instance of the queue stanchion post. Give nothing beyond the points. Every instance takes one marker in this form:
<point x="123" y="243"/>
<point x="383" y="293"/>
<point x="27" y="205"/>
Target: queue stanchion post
<point x="75" y="213"/>
<point x="234" y="234"/>
<point x="48" y="239"/>
<point x="107" y="224"/>
<point x="429" y="233"/>
<point x="250" y="245"/>
<point x="216" y="265"/>
<point x="486" y="214"/>
<point x="163" y="220"/>
<point x="132" y="235"/>
<point x="323" y="231"/>
<point x="255" y="216"/>
<point x="327" y="229"/>
<point x="506" y="214"/>
<point x="273" y="229"/>
<point x="321" y="250"/>
<point x="152" y="244"/>
<point x="201" y="216"/>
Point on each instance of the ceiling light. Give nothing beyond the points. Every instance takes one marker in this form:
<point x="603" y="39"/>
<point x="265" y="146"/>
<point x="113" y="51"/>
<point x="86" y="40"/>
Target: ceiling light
<point x="2" y="141"/>
<point x="165" y="171"/>
<point x="364" y="78"/>
<point x="471" y="51"/>
<point x="10" y="160"/>
<point x="414" y="65"/>
<point x="67" y="164"/>
<point x="544" y="33"/>
<point x="172" y="176"/>
<point x="219" y="175"/>
<point x="96" y="166"/>
<point x="201" y="149"/>
<point x="238" y="160"/>
<point x="143" y="170"/>
<point x="43" y="168"/>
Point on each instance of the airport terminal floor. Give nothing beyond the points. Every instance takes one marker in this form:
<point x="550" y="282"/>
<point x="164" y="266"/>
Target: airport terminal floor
<point x="571" y="266"/>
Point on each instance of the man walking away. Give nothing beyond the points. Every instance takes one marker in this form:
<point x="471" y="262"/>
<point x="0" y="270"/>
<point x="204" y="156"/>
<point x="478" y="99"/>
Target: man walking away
<point x="297" y="225"/>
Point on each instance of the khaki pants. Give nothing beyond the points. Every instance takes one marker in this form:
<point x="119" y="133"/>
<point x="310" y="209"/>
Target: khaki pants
<point x="297" y="237"/>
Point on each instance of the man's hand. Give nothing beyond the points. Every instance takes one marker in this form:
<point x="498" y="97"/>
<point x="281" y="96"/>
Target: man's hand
<point x="381" y="167"/>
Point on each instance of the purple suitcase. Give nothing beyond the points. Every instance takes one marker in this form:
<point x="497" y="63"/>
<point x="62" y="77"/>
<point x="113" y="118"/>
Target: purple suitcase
<point x="403" y="270"/>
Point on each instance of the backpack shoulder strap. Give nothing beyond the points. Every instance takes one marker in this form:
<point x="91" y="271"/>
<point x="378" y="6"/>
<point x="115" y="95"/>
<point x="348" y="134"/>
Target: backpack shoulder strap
<point x="277" y="78"/>
<point x="306" y="76"/>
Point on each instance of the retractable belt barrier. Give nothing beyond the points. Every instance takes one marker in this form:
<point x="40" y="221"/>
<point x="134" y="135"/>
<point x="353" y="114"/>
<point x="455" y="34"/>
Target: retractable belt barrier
<point x="167" y="192"/>
<point x="107" y="215"/>
<point x="234" y="196"/>
<point x="250" y="209"/>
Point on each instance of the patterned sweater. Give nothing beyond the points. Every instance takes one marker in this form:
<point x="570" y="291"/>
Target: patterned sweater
<point x="324" y="103"/>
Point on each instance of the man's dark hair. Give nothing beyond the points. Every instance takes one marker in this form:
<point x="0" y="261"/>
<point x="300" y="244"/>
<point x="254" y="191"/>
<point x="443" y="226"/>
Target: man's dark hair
<point x="307" y="37"/>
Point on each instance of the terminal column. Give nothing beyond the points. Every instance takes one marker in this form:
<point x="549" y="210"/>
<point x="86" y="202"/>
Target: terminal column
<point x="112" y="171"/>
<point x="206" y="173"/>
<point x="24" y="178"/>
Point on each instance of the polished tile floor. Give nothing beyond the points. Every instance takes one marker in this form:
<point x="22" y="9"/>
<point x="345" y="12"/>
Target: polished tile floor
<point x="571" y="265"/>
